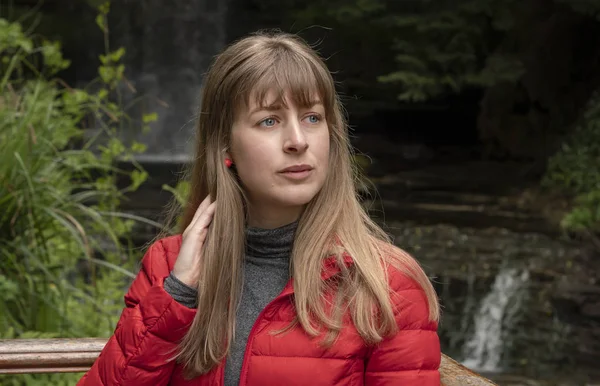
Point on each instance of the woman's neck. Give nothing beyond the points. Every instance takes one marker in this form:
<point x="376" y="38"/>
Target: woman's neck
<point x="272" y="217"/>
<point x="270" y="243"/>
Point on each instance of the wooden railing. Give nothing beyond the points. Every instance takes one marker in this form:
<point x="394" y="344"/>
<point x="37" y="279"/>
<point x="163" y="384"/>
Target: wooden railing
<point x="20" y="356"/>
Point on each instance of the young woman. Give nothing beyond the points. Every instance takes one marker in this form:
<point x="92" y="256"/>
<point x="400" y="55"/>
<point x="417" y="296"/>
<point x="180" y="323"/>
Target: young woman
<point x="279" y="276"/>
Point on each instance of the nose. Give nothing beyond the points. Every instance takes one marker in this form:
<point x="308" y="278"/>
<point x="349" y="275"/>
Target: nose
<point x="295" y="138"/>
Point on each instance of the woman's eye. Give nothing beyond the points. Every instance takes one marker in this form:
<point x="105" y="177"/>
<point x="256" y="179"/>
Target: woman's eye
<point x="269" y="122"/>
<point x="314" y="118"/>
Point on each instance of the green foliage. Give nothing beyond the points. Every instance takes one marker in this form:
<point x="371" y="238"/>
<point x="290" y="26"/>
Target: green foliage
<point x="180" y="193"/>
<point x="64" y="266"/>
<point x="41" y="379"/>
<point x="575" y="169"/>
<point x="450" y="46"/>
<point x="446" y="47"/>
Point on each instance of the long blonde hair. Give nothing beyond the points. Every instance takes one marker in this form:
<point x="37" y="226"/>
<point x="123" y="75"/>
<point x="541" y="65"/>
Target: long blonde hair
<point x="248" y="69"/>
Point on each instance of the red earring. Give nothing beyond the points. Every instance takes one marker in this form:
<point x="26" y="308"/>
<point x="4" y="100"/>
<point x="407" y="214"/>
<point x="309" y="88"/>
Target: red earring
<point x="228" y="162"/>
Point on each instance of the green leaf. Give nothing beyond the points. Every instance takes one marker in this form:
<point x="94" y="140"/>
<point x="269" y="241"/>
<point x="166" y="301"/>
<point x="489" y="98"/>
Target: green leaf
<point x="53" y="57"/>
<point x="147" y="118"/>
<point x="138" y="147"/>
<point x="101" y="22"/>
<point x="104" y="8"/>
<point x="120" y="69"/>
<point x="115" y="56"/>
<point x="102" y="93"/>
<point x="9" y="288"/>
<point x="107" y="74"/>
<point x="138" y="178"/>
<point x="116" y="147"/>
<point x="180" y="191"/>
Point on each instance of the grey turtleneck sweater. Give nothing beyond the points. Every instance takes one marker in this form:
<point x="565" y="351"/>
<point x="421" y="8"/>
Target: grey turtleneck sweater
<point x="266" y="272"/>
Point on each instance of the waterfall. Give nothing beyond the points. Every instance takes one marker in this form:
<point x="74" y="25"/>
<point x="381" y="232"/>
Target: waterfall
<point x="483" y="350"/>
<point x="169" y="46"/>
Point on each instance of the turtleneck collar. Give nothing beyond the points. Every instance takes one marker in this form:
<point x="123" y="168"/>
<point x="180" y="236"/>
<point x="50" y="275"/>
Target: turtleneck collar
<point x="270" y="242"/>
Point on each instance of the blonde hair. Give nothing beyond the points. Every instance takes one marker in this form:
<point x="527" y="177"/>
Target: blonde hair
<point x="249" y="68"/>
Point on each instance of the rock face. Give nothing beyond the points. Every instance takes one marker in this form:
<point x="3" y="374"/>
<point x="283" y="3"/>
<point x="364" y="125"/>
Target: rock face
<point x="576" y="298"/>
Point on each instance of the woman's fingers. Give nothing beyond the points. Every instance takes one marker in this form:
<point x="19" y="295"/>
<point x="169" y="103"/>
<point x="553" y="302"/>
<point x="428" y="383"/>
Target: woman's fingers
<point x="187" y="265"/>
<point x="202" y="236"/>
<point x="205" y="218"/>
<point x="201" y="208"/>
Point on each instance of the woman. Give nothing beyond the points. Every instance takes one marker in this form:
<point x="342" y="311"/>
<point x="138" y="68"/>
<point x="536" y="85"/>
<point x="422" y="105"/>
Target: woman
<point x="279" y="276"/>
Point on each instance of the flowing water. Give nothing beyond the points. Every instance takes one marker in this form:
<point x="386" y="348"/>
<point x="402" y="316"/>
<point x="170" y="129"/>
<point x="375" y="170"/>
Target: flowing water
<point x="169" y="45"/>
<point x="497" y="310"/>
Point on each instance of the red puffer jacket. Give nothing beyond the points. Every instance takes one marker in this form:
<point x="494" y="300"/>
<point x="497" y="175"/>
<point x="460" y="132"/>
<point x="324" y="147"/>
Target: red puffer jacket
<point x="153" y="323"/>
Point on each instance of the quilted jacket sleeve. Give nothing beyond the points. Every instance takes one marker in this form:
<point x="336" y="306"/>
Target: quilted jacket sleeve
<point x="413" y="355"/>
<point x="148" y="331"/>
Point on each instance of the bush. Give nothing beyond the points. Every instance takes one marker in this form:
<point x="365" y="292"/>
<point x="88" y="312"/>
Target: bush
<point x="63" y="243"/>
<point x="575" y="170"/>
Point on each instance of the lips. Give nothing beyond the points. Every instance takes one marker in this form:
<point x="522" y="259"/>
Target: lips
<point x="297" y="169"/>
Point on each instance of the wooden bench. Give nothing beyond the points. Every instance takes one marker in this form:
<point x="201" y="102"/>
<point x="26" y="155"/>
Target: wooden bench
<point x="20" y="356"/>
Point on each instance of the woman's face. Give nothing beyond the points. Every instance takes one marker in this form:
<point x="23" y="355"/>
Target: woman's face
<point x="281" y="154"/>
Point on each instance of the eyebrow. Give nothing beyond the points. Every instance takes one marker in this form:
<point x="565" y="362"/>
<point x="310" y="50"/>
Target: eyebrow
<point x="277" y="106"/>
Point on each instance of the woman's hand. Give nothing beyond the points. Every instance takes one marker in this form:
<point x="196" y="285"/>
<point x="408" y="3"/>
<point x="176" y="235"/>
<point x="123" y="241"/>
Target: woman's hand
<point x="189" y="261"/>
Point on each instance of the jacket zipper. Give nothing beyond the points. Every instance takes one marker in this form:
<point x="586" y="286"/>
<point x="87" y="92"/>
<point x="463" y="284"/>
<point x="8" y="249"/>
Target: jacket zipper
<point x="288" y="289"/>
